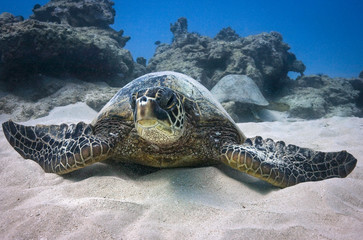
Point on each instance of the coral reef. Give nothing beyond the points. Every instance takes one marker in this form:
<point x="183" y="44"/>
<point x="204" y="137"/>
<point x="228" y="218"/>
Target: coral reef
<point x="65" y="37"/>
<point x="316" y="96"/>
<point x="37" y="99"/>
<point x="6" y="17"/>
<point x="264" y="57"/>
<point x="61" y="54"/>
<point x="227" y="34"/>
<point x="31" y="47"/>
<point x="91" y="13"/>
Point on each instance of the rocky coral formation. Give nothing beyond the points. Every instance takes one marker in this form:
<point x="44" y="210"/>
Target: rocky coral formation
<point x="316" y="96"/>
<point x="179" y="28"/>
<point x="76" y="13"/>
<point x="6" y="17"/>
<point x="141" y="61"/>
<point x="357" y="84"/>
<point x="227" y="34"/>
<point x="65" y="37"/>
<point x="39" y="98"/>
<point x="31" y="47"/>
<point x="264" y="57"/>
<point x="72" y="38"/>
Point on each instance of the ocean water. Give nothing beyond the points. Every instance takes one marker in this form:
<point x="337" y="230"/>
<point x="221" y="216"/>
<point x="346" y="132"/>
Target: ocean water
<point x="117" y="85"/>
<point x="213" y="41"/>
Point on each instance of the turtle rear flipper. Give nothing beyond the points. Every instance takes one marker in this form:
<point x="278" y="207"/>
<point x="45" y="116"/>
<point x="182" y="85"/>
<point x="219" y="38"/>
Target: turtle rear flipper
<point x="58" y="148"/>
<point x="286" y="165"/>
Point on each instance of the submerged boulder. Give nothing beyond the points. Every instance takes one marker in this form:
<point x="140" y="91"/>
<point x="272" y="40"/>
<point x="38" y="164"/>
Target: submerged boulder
<point x="238" y="88"/>
<point x="31" y="47"/>
<point x="65" y="37"/>
<point x="240" y="96"/>
<point x="76" y="13"/>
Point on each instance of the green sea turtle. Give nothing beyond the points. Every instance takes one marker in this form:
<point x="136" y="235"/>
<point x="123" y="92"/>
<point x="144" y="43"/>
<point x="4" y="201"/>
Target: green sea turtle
<point x="164" y="120"/>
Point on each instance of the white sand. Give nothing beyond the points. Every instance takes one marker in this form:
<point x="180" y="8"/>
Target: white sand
<point x="109" y="201"/>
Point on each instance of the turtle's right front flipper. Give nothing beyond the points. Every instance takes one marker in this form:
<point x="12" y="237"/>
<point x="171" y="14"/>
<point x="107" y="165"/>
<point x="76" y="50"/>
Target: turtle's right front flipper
<point x="58" y="148"/>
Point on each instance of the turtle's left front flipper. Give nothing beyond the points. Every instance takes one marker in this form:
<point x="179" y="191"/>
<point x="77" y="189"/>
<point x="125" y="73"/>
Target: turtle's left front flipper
<point x="286" y="165"/>
<point x="58" y="148"/>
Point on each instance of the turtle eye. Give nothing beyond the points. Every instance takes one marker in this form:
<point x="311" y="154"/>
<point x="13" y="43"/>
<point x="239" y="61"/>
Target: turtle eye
<point x="168" y="102"/>
<point x="166" y="98"/>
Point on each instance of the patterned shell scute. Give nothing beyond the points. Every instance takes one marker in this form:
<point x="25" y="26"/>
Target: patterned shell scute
<point x="206" y="105"/>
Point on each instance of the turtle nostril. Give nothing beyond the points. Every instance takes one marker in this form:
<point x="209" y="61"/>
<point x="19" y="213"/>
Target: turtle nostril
<point x="143" y="99"/>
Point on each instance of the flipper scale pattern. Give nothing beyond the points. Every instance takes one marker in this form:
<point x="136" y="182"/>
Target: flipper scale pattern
<point x="286" y="165"/>
<point x="58" y="148"/>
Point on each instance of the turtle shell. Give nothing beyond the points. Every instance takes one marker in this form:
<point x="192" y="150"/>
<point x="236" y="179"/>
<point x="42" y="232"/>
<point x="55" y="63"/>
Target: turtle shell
<point x="206" y="106"/>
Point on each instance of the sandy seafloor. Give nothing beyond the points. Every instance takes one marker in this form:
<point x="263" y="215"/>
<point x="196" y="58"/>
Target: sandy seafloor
<point x="112" y="201"/>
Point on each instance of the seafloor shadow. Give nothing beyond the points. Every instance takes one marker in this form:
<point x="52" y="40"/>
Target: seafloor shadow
<point x="136" y="171"/>
<point x="111" y="168"/>
<point x="251" y="182"/>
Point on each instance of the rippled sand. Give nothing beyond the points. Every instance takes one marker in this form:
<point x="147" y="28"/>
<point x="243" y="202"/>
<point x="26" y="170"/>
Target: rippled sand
<point x="112" y="201"/>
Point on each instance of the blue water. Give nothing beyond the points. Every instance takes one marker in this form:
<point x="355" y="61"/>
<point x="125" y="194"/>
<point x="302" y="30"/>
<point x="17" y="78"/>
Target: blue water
<point x="326" y="35"/>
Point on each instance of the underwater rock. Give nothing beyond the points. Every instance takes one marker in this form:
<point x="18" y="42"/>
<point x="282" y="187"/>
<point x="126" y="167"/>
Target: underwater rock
<point x="317" y="96"/>
<point x="161" y="48"/>
<point x="37" y="99"/>
<point x="361" y="74"/>
<point x="238" y="88"/>
<point x="76" y="13"/>
<point x="31" y="47"/>
<point x="141" y="61"/>
<point x="6" y="17"/>
<point x="180" y="27"/>
<point x="138" y="70"/>
<point x="357" y="84"/>
<point x="240" y="96"/>
<point x="227" y="34"/>
<point x="65" y="37"/>
<point x="264" y="57"/>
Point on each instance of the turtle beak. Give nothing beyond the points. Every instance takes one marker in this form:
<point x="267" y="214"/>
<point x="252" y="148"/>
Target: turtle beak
<point x="148" y="112"/>
<point x="153" y="123"/>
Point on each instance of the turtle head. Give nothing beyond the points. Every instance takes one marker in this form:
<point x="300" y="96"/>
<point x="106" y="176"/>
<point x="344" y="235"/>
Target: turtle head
<point x="159" y="115"/>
